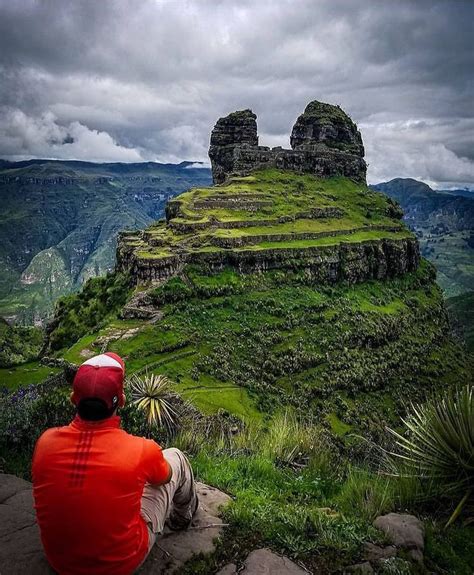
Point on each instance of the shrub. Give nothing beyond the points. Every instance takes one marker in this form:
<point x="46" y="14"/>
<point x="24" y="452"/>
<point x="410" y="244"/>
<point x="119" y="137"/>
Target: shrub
<point x="438" y="446"/>
<point x="151" y="394"/>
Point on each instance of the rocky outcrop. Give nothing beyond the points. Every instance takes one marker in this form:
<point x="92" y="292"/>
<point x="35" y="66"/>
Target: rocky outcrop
<point x="348" y="261"/>
<point x="324" y="140"/>
<point x="329" y="125"/>
<point x="21" y="552"/>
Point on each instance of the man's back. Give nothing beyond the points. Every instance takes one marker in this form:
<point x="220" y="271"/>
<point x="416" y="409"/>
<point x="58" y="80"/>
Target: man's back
<point x="88" y="481"/>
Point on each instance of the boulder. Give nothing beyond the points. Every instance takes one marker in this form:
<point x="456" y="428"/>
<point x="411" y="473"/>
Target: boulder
<point x="266" y="562"/>
<point x="173" y="549"/>
<point x="404" y="531"/>
<point x="21" y="551"/>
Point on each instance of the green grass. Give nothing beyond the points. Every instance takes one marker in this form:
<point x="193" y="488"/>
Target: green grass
<point x="462" y="309"/>
<point x="25" y="374"/>
<point x="338" y="427"/>
<point x="292" y="198"/>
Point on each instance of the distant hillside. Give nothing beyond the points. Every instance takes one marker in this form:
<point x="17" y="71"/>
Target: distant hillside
<point x="444" y="224"/>
<point x="462" y="310"/>
<point x="60" y="219"/>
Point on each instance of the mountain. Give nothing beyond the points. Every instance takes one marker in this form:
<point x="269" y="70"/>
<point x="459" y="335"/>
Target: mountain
<point x="60" y="219"/>
<point x="466" y="193"/>
<point x="444" y="224"/>
<point x="290" y="309"/>
<point x="294" y="286"/>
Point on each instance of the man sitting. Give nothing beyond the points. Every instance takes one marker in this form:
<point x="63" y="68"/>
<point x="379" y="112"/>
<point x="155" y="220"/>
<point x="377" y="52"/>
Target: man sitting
<point x="102" y="495"/>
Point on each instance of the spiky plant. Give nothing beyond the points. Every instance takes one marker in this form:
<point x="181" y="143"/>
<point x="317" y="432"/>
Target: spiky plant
<point x="439" y="445"/>
<point x="151" y="394"/>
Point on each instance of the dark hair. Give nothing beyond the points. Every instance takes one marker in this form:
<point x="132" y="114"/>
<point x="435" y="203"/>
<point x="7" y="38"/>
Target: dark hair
<point x="94" y="409"/>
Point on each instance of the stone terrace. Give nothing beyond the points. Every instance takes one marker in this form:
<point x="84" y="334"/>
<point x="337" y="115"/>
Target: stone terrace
<point x="274" y="219"/>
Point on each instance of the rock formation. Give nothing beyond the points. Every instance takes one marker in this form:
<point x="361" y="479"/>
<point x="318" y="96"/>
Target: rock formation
<point x="324" y="140"/>
<point x="333" y="230"/>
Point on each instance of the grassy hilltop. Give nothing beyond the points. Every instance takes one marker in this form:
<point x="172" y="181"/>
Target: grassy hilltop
<point x="251" y="341"/>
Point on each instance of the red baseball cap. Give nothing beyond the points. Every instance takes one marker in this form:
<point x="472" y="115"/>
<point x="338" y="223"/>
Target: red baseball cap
<point x="100" y="377"/>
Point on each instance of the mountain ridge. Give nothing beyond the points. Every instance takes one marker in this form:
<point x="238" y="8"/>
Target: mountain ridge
<point x="444" y="225"/>
<point x="60" y="220"/>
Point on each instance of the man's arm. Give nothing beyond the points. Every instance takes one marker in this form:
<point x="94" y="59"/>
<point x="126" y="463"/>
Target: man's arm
<point x="156" y="469"/>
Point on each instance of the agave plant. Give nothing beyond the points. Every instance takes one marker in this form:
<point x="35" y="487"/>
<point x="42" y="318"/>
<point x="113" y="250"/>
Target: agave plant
<point x="439" y="445"/>
<point x="151" y="394"/>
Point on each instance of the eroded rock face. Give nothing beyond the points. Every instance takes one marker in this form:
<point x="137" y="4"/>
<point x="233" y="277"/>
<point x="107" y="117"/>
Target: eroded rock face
<point x="231" y="133"/>
<point x="324" y="140"/>
<point x="350" y="262"/>
<point x="329" y="125"/>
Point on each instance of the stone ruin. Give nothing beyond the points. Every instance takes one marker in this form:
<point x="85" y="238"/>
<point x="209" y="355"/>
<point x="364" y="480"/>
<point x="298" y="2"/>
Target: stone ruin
<point x="324" y="141"/>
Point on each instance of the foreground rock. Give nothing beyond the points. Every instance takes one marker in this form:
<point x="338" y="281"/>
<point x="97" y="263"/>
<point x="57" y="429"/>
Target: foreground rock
<point x="405" y="532"/>
<point x="21" y="552"/>
<point x="264" y="562"/>
<point x="174" y="549"/>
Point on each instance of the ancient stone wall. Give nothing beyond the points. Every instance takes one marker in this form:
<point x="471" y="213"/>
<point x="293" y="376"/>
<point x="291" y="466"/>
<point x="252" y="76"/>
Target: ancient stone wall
<point x="324" y="140"/>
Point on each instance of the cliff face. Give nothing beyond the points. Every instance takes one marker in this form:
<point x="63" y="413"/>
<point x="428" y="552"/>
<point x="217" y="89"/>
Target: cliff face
<point x="324" y="140"/>
<point x="344" y="262"/>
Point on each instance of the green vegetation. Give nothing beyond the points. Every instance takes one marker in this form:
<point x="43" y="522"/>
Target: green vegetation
<point x="18" y="344"/>
<point x="439" y="447"/>
<point x="462" y="310"/>
<point x="24" y="374"/>
<point x="151" y="394"/>
<point x="270" y="209"/>
<point x="249" y="343"/>
<point x="443" y="223"/>
<point x="77" y="314"/>
<point x="283" y="385"/>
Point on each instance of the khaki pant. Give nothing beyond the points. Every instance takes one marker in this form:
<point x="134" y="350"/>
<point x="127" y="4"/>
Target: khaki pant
<point x="172" y="503"/>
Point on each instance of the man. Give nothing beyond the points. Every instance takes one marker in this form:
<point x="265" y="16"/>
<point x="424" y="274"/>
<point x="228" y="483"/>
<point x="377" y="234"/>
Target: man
<point x="102" y="495"/>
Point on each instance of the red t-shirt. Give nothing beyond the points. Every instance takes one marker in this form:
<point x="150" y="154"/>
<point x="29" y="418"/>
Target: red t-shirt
<point x="88" y="479"/>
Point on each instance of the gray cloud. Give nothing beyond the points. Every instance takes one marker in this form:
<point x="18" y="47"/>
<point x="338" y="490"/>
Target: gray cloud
<point x="131" y="80"/>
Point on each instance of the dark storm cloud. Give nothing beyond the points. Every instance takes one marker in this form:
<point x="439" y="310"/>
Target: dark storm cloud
<point x="142" y="79"/>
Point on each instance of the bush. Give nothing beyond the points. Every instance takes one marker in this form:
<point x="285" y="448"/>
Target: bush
<point x="438" y="446"/>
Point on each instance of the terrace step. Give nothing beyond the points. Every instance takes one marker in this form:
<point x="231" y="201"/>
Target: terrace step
<point x="182" y="226"/>
<point x="255" y="239"/>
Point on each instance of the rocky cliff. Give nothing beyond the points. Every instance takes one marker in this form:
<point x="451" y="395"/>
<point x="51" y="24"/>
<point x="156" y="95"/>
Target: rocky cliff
<point x="324" y="141"/>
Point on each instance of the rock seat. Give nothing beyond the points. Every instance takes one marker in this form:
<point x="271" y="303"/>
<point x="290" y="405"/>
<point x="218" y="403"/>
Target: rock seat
<point x="21" y="552"/>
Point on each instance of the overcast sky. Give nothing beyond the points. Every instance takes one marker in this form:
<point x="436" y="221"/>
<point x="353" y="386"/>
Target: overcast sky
<point x="133" y="80"/>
